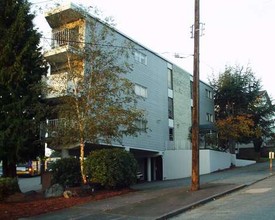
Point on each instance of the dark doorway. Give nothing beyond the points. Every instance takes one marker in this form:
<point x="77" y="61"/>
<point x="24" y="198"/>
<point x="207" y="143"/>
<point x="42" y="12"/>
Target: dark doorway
<point x="159" y="168"/>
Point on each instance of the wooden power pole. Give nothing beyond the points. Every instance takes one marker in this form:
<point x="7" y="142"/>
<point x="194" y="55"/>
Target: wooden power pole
<point x="195" y="117"/>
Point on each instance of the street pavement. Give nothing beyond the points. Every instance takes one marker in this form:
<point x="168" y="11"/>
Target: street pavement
<point x="165" y="199"/>
<point x="255" y="202"/>
<point x="27" y="184"/>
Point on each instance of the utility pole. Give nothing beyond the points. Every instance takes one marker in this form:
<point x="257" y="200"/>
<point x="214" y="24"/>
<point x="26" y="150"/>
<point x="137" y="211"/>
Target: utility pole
<point x="195" y="114"/>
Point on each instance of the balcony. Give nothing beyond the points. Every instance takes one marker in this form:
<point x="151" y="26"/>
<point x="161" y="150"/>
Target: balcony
<point x="47" y="128"/>
<point x="64" y="14"/>
<point x="65" y="44"/>
<point x="66" y="37"/>
<point x="57" y="85"/>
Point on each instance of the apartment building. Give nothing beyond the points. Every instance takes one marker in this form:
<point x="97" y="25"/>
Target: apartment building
<point x="165" y="87"/>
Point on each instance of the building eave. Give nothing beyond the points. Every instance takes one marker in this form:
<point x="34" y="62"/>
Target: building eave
<point x="64" y="15"/>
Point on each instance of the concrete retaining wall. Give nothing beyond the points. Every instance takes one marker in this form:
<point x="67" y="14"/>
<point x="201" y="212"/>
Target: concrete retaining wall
<point x="210" y="161"/>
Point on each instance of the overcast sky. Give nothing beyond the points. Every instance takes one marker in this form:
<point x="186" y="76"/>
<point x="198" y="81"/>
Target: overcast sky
<point x="237" y="32"/>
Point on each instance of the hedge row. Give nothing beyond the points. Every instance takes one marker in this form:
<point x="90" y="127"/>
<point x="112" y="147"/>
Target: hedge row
<point x="8" y="186"/>
<point x="109" y="168"/>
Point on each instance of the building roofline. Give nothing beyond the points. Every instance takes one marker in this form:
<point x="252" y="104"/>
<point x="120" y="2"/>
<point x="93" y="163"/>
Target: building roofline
<point x="86" y="14"/>
<point x="80" y="9"/>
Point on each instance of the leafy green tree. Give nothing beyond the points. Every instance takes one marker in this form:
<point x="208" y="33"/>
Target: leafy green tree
<point x="238" y="95"/>
<point x="234" y="129"/>
<point x="97" y="103"/>
<point x="21" y="68"/>
<point x="234" y="91"/>
<point x="263" y="117"/>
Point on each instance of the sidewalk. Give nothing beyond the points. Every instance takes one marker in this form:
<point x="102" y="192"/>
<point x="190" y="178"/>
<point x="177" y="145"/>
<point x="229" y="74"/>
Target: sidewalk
<point x="164" y="199"/>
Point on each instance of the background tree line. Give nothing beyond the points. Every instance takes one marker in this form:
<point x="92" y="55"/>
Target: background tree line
<point x="244" y="111"/>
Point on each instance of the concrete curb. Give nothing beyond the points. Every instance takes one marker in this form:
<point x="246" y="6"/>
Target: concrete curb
<point x="208" y="199"/>
<point x="259" y="180"/>
<point x="200" y="202"/>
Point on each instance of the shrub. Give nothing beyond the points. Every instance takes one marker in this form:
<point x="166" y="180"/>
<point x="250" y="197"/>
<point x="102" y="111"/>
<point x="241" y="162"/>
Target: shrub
<point x="66" y="172"/>
<point x="8" y="186"/>
<point x="112" y="168"/>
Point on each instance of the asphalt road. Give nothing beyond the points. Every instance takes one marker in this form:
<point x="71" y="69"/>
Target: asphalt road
<point x="254" y="202"/>
<point x="30" y="183"/>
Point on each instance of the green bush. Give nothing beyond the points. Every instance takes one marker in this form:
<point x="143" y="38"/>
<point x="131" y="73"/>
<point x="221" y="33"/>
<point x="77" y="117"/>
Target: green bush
<point x="112" y="168"/>
<point x="8" y="186"/>
<point x="66" y="172"/>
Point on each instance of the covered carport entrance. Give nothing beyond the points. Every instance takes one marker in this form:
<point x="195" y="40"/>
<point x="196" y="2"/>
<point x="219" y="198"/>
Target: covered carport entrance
<point x="149" y="164"/>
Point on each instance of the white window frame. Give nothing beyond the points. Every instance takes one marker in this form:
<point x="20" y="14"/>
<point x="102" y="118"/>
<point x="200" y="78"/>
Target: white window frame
<point x="170" y="78"/>
<point x="209" y="117"/>
<point x="141" y="124"/>
<point x="141" y="90"/>
<point x="209" y="93"/>
<point x="141" y="57"/>
<point x="171" y="133"/>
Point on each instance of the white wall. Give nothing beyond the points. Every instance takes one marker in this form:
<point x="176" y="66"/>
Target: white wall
<point x="216" y="160"/>
<point x="241" y="163"/>
<point x="178" y="163"/>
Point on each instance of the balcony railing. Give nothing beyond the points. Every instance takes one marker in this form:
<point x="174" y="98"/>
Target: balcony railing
<point x="69" y="37"/>
<point x="48" y="127"/>
<point x="52" y="123"/>
<point x="57" y="85"/>
<point x="178" y="145"/>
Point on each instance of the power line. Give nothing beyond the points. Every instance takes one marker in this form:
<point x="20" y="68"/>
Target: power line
<point x="36" y="3"/>
<point x="95" y="44"/>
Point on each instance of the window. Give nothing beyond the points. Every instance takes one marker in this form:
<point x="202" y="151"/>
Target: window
<point x="209" y="117"/>
<point x="141" y="124"/>
<point x="170" y="78"/>
<point x="141" y="90"/>
<point x="209" y="94"/>
<point x="171" y="134"/>
<point x="191" y="89"/>
<point x="140" y="57"/>
<point x="170" y="108"/>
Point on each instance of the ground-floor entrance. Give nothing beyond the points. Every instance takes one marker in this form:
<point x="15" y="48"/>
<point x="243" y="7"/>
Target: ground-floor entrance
<point x="151" y="166"/>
